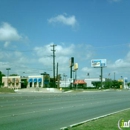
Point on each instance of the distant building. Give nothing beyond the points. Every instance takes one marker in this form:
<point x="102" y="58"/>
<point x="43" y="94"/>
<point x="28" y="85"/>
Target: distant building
<point x="65" y="83"/>
<point x="90" y="81"/>
<point x="35" y="81"/>
<point x="11" y="81"/>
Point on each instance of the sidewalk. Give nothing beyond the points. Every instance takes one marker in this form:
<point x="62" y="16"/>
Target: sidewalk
<point x="44" y="90"/>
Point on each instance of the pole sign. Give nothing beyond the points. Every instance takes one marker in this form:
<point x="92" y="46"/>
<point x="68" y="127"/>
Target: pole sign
<point x="72" y="61"/>
<point x="98" y="63"/>
<point x="75" y="66"/>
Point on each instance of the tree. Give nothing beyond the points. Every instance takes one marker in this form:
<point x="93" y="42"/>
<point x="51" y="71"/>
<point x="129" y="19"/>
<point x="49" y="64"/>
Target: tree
<point x="14" y="75"/>
<point x="108" y="83"/>
<point x="1" y="75"/>
<point x="128" y="84"/>
<point x="97" y="84"/>
<point x="116" y="84"/>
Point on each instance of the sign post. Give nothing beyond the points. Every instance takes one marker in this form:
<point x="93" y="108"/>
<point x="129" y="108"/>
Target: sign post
<point x="71" y="65"/>
<point x="99" y="63"/>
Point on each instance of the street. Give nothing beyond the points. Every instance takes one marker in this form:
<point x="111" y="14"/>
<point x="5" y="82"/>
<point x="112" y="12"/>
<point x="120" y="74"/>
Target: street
<point x="52" y="111"/>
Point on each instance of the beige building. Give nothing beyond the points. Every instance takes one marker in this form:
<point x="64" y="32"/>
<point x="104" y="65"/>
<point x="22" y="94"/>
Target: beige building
<point x="11" y="81"/>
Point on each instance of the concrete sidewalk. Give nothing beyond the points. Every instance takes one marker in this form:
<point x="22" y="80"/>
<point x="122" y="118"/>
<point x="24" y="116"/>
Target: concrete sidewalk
<point x="44" y="90"/>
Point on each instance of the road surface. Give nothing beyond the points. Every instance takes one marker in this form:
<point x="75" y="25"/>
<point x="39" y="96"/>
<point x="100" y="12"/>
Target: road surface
<point x="52" y="111"/>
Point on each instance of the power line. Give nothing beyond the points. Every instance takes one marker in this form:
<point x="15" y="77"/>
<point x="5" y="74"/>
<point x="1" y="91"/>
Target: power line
<point x="114" y="45"/>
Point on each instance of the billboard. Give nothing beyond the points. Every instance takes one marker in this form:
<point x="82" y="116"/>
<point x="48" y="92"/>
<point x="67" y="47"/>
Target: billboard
<point x="98" y="63"/>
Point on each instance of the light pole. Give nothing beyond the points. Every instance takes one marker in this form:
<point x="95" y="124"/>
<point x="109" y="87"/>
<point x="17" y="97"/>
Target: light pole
<point x="73" y="77"/>
<point x="65" y="79"/>
<point x="7" y="74"/>
<point x="114" y="75"/>
<point x="88" y="75"/>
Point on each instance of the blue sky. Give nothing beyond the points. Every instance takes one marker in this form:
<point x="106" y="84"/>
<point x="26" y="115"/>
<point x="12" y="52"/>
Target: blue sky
<point x="83" y="29"/>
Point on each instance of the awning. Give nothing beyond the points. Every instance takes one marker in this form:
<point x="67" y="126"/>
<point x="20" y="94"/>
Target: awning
<point x="79" y="82"/>
<point x="30" y="80"/>
<point x="40" y="80"/>
<point x="35" y="80"/>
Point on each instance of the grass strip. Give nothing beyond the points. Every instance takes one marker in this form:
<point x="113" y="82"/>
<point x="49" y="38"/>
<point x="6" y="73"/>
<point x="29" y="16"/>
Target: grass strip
<point x="106" y="123"/>
<point x="6" y="90"/>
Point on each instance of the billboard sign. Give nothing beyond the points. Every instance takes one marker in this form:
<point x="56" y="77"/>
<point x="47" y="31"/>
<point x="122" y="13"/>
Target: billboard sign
<point x="98" y="63"/>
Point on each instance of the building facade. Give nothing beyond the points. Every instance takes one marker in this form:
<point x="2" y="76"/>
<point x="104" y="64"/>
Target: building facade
<point x="22" y="82"/>
<point x="35" y="81"/>
<point x="90" y="81"/>
<point x="11" y="81"/>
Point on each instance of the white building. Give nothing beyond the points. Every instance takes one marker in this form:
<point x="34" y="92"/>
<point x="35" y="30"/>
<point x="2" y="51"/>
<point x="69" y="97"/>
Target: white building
<point x="35" y="81"/>
<point x="66" y="83"/>
<point x="90" y="80"/>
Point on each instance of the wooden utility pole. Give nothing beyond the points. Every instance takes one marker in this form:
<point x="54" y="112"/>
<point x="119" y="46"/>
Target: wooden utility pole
<point x="53" y="50"/>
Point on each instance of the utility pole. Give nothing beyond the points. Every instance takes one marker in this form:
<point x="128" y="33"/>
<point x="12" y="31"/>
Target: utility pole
<point x="53" y="51"/>
<point x="7" y="74"/>
<point x="101" y="75"/>
<point x="57" y="75"/>
<point x="57" y="71"/>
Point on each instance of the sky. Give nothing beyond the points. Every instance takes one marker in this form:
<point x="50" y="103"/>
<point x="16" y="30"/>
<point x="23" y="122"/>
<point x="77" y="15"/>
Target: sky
<point x="83" y="29"/>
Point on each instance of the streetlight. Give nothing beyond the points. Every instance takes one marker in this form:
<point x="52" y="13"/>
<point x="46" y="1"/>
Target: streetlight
<point x="7" y="74"/>
<point x="114" y="75"/>
<point x="73" y="77"/>
<point x="88" y="75"/>
<point x="65" y="79"/>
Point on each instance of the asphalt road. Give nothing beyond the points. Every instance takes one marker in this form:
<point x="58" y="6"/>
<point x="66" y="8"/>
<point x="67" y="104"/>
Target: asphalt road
<point x="51" y="111"/>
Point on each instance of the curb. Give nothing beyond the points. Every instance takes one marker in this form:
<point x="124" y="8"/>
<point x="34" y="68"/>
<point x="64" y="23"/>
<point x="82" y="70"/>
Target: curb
<point x="83" y="122"/>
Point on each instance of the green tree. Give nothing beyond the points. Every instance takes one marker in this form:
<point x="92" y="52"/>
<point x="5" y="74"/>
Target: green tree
<point x="128" y="84"/>
<point x="116" y="84"/>
<point x="107" y="83"/>
<point x="14" y="75"/>
<point x="97" y="84"/>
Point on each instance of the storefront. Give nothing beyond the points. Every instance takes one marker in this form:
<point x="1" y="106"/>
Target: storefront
<point x="11" y="81"/>
<point x="35" y="81"/>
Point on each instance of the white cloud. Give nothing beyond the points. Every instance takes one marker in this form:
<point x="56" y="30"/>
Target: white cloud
<point x="86" y="69"/>
<point x="61" y="50"/>
<point x="62" y="53"/>
<point x="8" y="33"/>
<point x="119" y="64"/>
<point x="6" y="44"/>
<point x="17" y="54"/>
<point x="128" y="56"/>
<point x="70" y="21"/>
